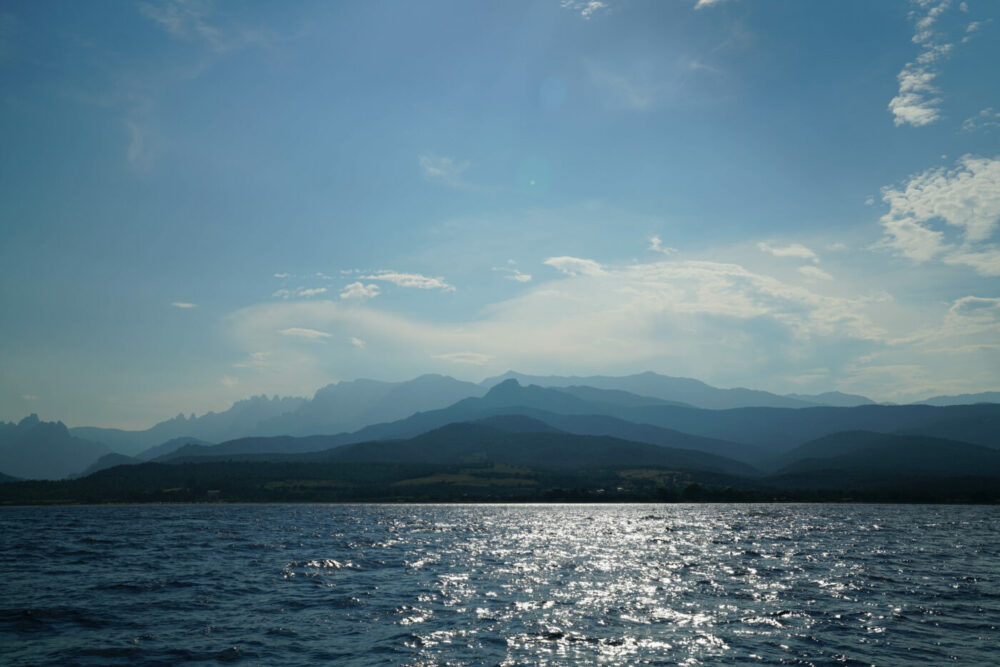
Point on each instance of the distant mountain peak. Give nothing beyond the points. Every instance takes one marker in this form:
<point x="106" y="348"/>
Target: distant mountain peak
<point x="30" y="420"/>
<point x="508" y="387"/>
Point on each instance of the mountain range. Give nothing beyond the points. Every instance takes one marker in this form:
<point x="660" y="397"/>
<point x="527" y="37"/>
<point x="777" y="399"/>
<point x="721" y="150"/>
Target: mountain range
<point x="745" y="428"/>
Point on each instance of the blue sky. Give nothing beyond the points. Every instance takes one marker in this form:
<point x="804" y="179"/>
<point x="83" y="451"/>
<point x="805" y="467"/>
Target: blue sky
<point x="203" y="201"/>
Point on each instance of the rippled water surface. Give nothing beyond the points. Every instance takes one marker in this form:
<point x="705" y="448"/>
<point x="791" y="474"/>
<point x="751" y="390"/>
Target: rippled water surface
<point x="377" y="584"/>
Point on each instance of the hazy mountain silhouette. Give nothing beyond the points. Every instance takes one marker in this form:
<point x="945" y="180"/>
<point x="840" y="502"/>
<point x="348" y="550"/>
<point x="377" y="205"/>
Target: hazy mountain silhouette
<point x="617" y="397"/>
<point x="168" y="447"/>
<point x="834" y="399"/>
<point x="281" y="444"/>
<point x="107" y="461"/>
<point x="683" y="390"/>
<point x="517" y="424"/>
<point x="781" y="429"/>
<point x="348" y="406"/>
<point x="718" y="431"/>
<point x="964" y="399"/>
<point x="240" y="420"/>
<point x="480" y="443"/>
<point x="774" y="429"/>
<point x="34" y="449"/>
<point x="7" y="478"/>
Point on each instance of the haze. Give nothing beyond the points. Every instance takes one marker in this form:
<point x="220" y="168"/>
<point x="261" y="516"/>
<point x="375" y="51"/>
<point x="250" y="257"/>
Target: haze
<point x="202" y="202"/>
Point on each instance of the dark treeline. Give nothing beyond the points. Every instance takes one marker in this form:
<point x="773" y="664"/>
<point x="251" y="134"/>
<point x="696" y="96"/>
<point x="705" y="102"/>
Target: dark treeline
<point x="271" y="481"/>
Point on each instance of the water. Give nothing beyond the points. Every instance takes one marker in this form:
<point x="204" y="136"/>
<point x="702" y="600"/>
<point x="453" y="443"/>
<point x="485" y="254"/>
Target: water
<point x="512" y="585"/>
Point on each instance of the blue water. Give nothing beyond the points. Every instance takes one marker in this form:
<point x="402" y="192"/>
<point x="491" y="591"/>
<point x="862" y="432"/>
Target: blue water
<point x="474" y="584"/>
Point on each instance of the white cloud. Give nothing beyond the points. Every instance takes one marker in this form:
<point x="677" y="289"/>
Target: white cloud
<point x="519" y="277"/>
<point x="574" y="266"/>
<point x="305" y="292"/>
<point x="183" y="304"/>
<point x="281" y="275"/>
<point x="444" y="170"/>
<point x="360" y="291"/>
<point x="918" y="100"/>
<point x="965" y="199"/>
<point x="702" y="4"/>
<point x="29" y="397"/>
<point x="656" y="245"/>
<point x="796" y="250"/>
<point x="585" y="8"/>
<point x="814" y="272"/>
<point x="414" y="280"/>
<point x="229" y="381"/>
<point x="513" y="273"/>
<point x="984" y="120"/>
<point x="837" y="247"/>
<point x="912" y="239"/>
<point x="984" y="262"/>
<point x="308" y="334"/>
<point x="469" y="358"/>
<point x="981" y="309"/>
<point x="358" y="343"/>
<point x="683" y="317"/>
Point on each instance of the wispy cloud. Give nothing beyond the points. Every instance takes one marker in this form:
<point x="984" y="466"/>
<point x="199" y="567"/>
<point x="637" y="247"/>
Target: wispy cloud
<point x="184" y="19"/>
<point x="966" y="199"/>
<point x="987" y="119"/>
<point x="359" y="291"/>
<point x="468" y="358"/>
<point x="918" y="101"/>
<point x="281" y="275"/>
<point x="308" y="334"/>
<point x="628" y="91"/>
<point x="183" y="304"/>
<point x="256" y="360"/>
<point x="443" y="170"/>
<point x="414" y="280"/>
<point x="656" y="245"/>
<point x="197" y="21"/>
<point x="136" y="152"/>
<point x="585" y="8"/>
<point x="702" y="4"/>
<point x="575" y="266"/>
<point x="688" y="316"/>
<point x="982" y="309"/>
<point x="795" y="250"/>
<point x="303" y="292"/>
<point x="814" y="272"/>
<point x="358" y="343"/>
<point x="513" y="273"/>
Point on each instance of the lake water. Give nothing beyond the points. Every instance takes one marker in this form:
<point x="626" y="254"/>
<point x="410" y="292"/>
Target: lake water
<point x="500" y="584"/>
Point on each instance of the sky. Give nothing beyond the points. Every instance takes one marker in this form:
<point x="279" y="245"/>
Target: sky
<point x="202" y="201"/>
